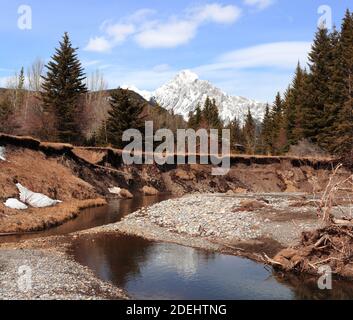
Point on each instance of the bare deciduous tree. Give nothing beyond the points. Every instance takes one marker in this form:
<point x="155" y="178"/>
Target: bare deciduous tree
<point x="34" y="75"/>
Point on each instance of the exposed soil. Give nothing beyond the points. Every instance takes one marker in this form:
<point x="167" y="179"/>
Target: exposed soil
<point x="72" y="174"/>
<point x="46" y="175"/>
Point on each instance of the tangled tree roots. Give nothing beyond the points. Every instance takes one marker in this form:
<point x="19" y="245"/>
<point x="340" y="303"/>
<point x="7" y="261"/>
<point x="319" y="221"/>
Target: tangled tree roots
<point x="331" y="246"/>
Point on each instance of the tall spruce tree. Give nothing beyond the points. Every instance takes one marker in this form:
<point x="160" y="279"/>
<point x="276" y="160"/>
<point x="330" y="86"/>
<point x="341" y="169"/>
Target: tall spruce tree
<point x="266" y="132"/>
<point x="210" y="115"/>
<point x="318" y="86"/>
<point x="293" y="107"/>
<point x="249" y="132"/>
<point x="63" y="87"/>
<point x="236" y="134"/>
<point x="343" y="126"/>
<point x="198" y="116"/>
<point x="318" y="105"/>
<point x="195" y="118"/>
<point x="124" y="115"/>
<point x="277" y="119"/>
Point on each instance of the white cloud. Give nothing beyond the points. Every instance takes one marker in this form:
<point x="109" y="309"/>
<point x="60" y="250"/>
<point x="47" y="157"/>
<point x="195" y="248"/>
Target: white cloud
<point x="179" y="31"/>
<point x="98" y="44"/>
<point x="119" y="32"/>
<point x="282" y="55"/>
<point x="259" y="4"/>
<point x="256" y="72"/>
<point x="217" y="13"/>
<point x="167" y="35"/>
<point x="172" y="32"/>
<point x="140" y="15"/>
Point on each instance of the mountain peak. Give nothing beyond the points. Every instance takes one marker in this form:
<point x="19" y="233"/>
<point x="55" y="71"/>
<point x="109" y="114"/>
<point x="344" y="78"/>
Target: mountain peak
<point x="186" y="91"/>
<point x="187" y="76"/>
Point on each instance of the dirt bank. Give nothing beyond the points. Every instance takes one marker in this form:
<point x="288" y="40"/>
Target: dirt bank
<point x="103" y="168"/>
<point x="44" y="175"/>
<point x="73" y="174"/>
<point x="247" y="174"/>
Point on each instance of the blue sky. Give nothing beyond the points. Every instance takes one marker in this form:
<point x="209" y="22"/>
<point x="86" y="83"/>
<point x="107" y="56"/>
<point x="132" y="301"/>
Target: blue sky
<point x="245" y="47"/>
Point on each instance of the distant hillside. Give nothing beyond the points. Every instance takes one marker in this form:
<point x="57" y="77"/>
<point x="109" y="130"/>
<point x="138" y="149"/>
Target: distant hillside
<point x="96" y="110"/>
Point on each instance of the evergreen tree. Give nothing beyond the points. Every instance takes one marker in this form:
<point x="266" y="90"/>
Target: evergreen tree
<point x="343" y="86"/>
<point x="293" y="107"/>
<point x="63" y="87"/>
<point x="215" y="121"/>
<point x="198" y="116"/>
<point x="277" y="119"/>
<point x="124" y="115"/>
<point x="318" y="86"/>
<point x="206" y="113"/>
<point x="249" y="132"/>
<point x="210" y="115"/>
<point x="195" y="118"/>
<point x="191" y="121"/>
<point x="326" y="137"/>
<point x="20" y="89"/>
<point x="266" y="132"/>
<point x="21" y="80"/>
<point x="236" y="134"/>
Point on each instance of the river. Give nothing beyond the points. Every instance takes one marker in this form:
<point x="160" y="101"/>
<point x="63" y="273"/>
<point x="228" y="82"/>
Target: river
<point x="152" y="270"/>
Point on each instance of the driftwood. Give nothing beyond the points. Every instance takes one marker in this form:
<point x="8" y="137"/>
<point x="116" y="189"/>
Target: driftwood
<point x="332" y="245"/>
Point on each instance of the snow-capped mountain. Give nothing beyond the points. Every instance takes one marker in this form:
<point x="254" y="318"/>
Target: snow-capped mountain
<point x="183" y="93"/>
<point x="147" y="95"/>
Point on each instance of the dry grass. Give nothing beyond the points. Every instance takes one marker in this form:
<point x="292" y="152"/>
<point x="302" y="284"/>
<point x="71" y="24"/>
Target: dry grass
<point x="40" y="174"/>
<point x="55" y="146"/>
<point x="14" y="221"/>
<point x="44" y="175"/>
<point x="91" y="156"/>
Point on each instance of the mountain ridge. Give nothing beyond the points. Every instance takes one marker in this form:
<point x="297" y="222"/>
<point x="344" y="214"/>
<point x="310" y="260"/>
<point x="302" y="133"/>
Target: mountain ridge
<point x="186" y="91"/>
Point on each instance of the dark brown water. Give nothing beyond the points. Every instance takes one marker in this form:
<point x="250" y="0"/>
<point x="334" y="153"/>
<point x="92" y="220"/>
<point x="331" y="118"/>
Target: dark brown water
<point x="149" y="270"/>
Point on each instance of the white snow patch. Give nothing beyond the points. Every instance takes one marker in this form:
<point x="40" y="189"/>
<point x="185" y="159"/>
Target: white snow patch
<point x="147" y="95"/>
<point x="15" y="204"/>
<point x="35" y="200"/>
<point x="2" y="154"/>
<point x="115" y="190"/>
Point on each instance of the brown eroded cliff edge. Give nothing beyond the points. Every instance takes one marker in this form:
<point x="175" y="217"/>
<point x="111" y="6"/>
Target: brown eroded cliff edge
<point x="81" y="177"/>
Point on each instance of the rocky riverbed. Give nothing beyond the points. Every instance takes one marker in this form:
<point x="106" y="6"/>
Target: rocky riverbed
<point x="251" y="223"/>
<point x="28" y="272"/>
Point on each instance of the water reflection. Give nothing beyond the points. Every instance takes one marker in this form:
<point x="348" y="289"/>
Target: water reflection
<point x="150" y="270"/>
